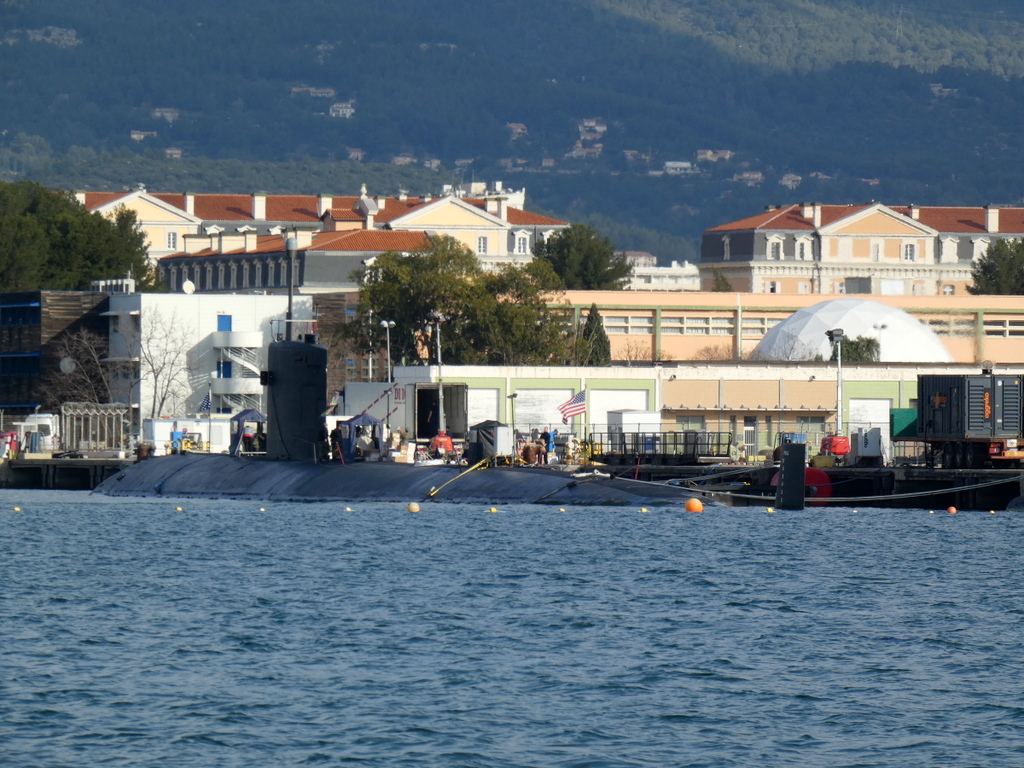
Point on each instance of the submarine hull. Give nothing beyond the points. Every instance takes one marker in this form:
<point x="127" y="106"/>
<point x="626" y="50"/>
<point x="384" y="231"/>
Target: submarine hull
<point x="223" y="476"/>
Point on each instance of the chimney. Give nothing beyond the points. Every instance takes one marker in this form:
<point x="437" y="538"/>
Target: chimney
<point x="324" y="203"/>
<point x="251" y="239"/>
<point x="497" y="186"/>
<point x="991" y="218"/>
<point x="197" y="243"/>
<point x="259" y="206"/>
<point x="381" y="202"/>
<point x="230" y="241"/>
<point x="915" y="212"/>
<point x="817" y="215"/>
<point x="190" y="204"/>
<point x="80" y="197"/>
<point x="303" y="237"/>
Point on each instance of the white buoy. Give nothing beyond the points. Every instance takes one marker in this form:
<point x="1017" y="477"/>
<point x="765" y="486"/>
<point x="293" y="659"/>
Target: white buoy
<point x="413" y="507"/>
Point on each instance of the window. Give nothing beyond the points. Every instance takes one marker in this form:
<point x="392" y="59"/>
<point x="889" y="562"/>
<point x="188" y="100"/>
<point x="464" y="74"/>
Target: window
<point x="775" y="250"/>
<point x="690" y="423"/>
<point x="772" y="286"/>
<point x="801" y="251"/>
<point x="172" y="241"/>
<point x="948" y="290"/>
<point x="223" y="322"/>
<point x="909" y="252"/>
<point x="481" y="245"/>
<point x="643" y="325"/>
<point x="522" y="244"/>
<point x="726" y="248"/>
<point x="803" y="287"/>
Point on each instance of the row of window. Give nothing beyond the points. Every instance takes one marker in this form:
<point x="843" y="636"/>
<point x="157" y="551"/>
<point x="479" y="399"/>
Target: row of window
<point x="692" y="325"/>
<point x="521" y="247"/>
<point x="232" y="276"/>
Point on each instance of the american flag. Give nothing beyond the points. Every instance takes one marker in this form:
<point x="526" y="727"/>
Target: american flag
<point x="205" y="405"/>
<point x="574" y="406"/>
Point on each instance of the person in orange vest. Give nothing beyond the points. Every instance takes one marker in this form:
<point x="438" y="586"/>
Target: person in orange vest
<point x="441" y="445"/>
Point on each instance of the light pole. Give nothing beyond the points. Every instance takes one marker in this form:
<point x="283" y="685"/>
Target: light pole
<point x="879" y="327"/>
<point x="836" y="337"/>
<point x="512" y="402"/>
<point x="387" y="325"/>
<point x="438" y="318"/>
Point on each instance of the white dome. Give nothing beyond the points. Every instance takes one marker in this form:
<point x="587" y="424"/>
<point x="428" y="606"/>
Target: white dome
<point x="902" y="339"/>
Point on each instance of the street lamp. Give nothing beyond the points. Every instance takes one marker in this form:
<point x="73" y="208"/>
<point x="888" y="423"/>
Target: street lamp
<point x="512" y="402"/>
<point x="836" y="336"/>
<point x="879" y="327"/>
<point x="387" y="325"/>
<point x="439" y="318"/>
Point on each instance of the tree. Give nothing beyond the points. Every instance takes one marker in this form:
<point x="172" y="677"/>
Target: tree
<point x="862" y="349"/>
<point x="84" y="376"/>
<point x="720" y="283"/>
<point x="500" y="317"/>
<point x="1000" y="271"/>
<point x="595" y="348"/>
<point x="49" y="241"/>
<point x="584" y="260"/>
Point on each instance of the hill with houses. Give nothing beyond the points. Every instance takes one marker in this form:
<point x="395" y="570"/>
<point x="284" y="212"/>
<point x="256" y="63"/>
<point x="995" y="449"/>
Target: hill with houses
<point x="652" y="121"/>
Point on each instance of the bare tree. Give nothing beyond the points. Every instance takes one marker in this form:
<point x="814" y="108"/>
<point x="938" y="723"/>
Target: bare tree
<point x="635" y="352"/>
<point x="85" y="374"/>
<point x="714" y="352"/>
<point x="161" y="348"/>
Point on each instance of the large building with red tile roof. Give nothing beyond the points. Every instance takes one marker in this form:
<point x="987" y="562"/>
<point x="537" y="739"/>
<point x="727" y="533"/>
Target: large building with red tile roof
<point x="490" y="221"/>
<point x="813" y="248"/>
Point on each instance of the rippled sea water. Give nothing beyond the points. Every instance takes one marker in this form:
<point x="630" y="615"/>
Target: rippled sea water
<point x="221" y="634"/>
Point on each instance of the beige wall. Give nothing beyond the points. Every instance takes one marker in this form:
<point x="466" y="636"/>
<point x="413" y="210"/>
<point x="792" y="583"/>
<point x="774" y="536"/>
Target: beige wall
<point x="642" y="325"/>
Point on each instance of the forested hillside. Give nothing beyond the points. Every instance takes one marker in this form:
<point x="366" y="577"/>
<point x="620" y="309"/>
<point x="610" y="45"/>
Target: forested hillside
<point x="841" y="100"/>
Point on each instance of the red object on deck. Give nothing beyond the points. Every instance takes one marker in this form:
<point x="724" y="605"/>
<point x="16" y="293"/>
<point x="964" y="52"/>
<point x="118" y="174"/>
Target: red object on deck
<point x="837" y="445"/>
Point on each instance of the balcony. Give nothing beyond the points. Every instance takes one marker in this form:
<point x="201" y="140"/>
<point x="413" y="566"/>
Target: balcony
<point x="239" y="339"/>
<point x="237" y="386"/>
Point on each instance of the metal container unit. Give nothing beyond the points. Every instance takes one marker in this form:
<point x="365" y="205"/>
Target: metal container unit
<point x="970" y="418"/>
<point x="975" y="406"/>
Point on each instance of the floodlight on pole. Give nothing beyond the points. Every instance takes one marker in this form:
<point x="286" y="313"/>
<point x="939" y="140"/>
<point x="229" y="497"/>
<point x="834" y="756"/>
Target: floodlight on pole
<point x="836" y="336"/>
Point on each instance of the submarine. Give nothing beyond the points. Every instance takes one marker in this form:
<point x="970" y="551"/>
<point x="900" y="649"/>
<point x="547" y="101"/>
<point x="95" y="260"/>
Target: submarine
<point x="295" y="385"/>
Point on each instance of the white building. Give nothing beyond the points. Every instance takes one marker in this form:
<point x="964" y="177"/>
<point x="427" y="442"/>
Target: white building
<point x="171" y="350"/>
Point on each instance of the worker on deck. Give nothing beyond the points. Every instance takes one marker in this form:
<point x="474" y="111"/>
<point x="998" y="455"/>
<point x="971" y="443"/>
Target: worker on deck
<point x="441" y="446"/>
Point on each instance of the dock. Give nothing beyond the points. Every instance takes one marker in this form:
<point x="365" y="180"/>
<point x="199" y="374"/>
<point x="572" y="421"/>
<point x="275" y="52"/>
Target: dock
<point x="68" y="474"/>
<point x="904" y="487"/>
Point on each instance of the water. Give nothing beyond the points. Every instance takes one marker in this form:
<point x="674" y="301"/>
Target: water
<point x="134" y="634"/>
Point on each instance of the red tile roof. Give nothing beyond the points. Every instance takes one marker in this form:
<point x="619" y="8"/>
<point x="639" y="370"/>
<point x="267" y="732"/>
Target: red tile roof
<point x="782" y="218"/>
<point x="955" y="220"/>
<point x="370" y="240"/>
<point x="355" y="241"/>
<point x="303" y="208"/>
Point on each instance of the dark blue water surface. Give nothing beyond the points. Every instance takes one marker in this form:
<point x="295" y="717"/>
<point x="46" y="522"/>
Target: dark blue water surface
<point x="135" y="634"/>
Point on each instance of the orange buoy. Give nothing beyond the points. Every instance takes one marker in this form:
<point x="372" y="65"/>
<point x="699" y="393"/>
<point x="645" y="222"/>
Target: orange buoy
<point x="951" y="510"/>
<point x="694" y="505"/>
